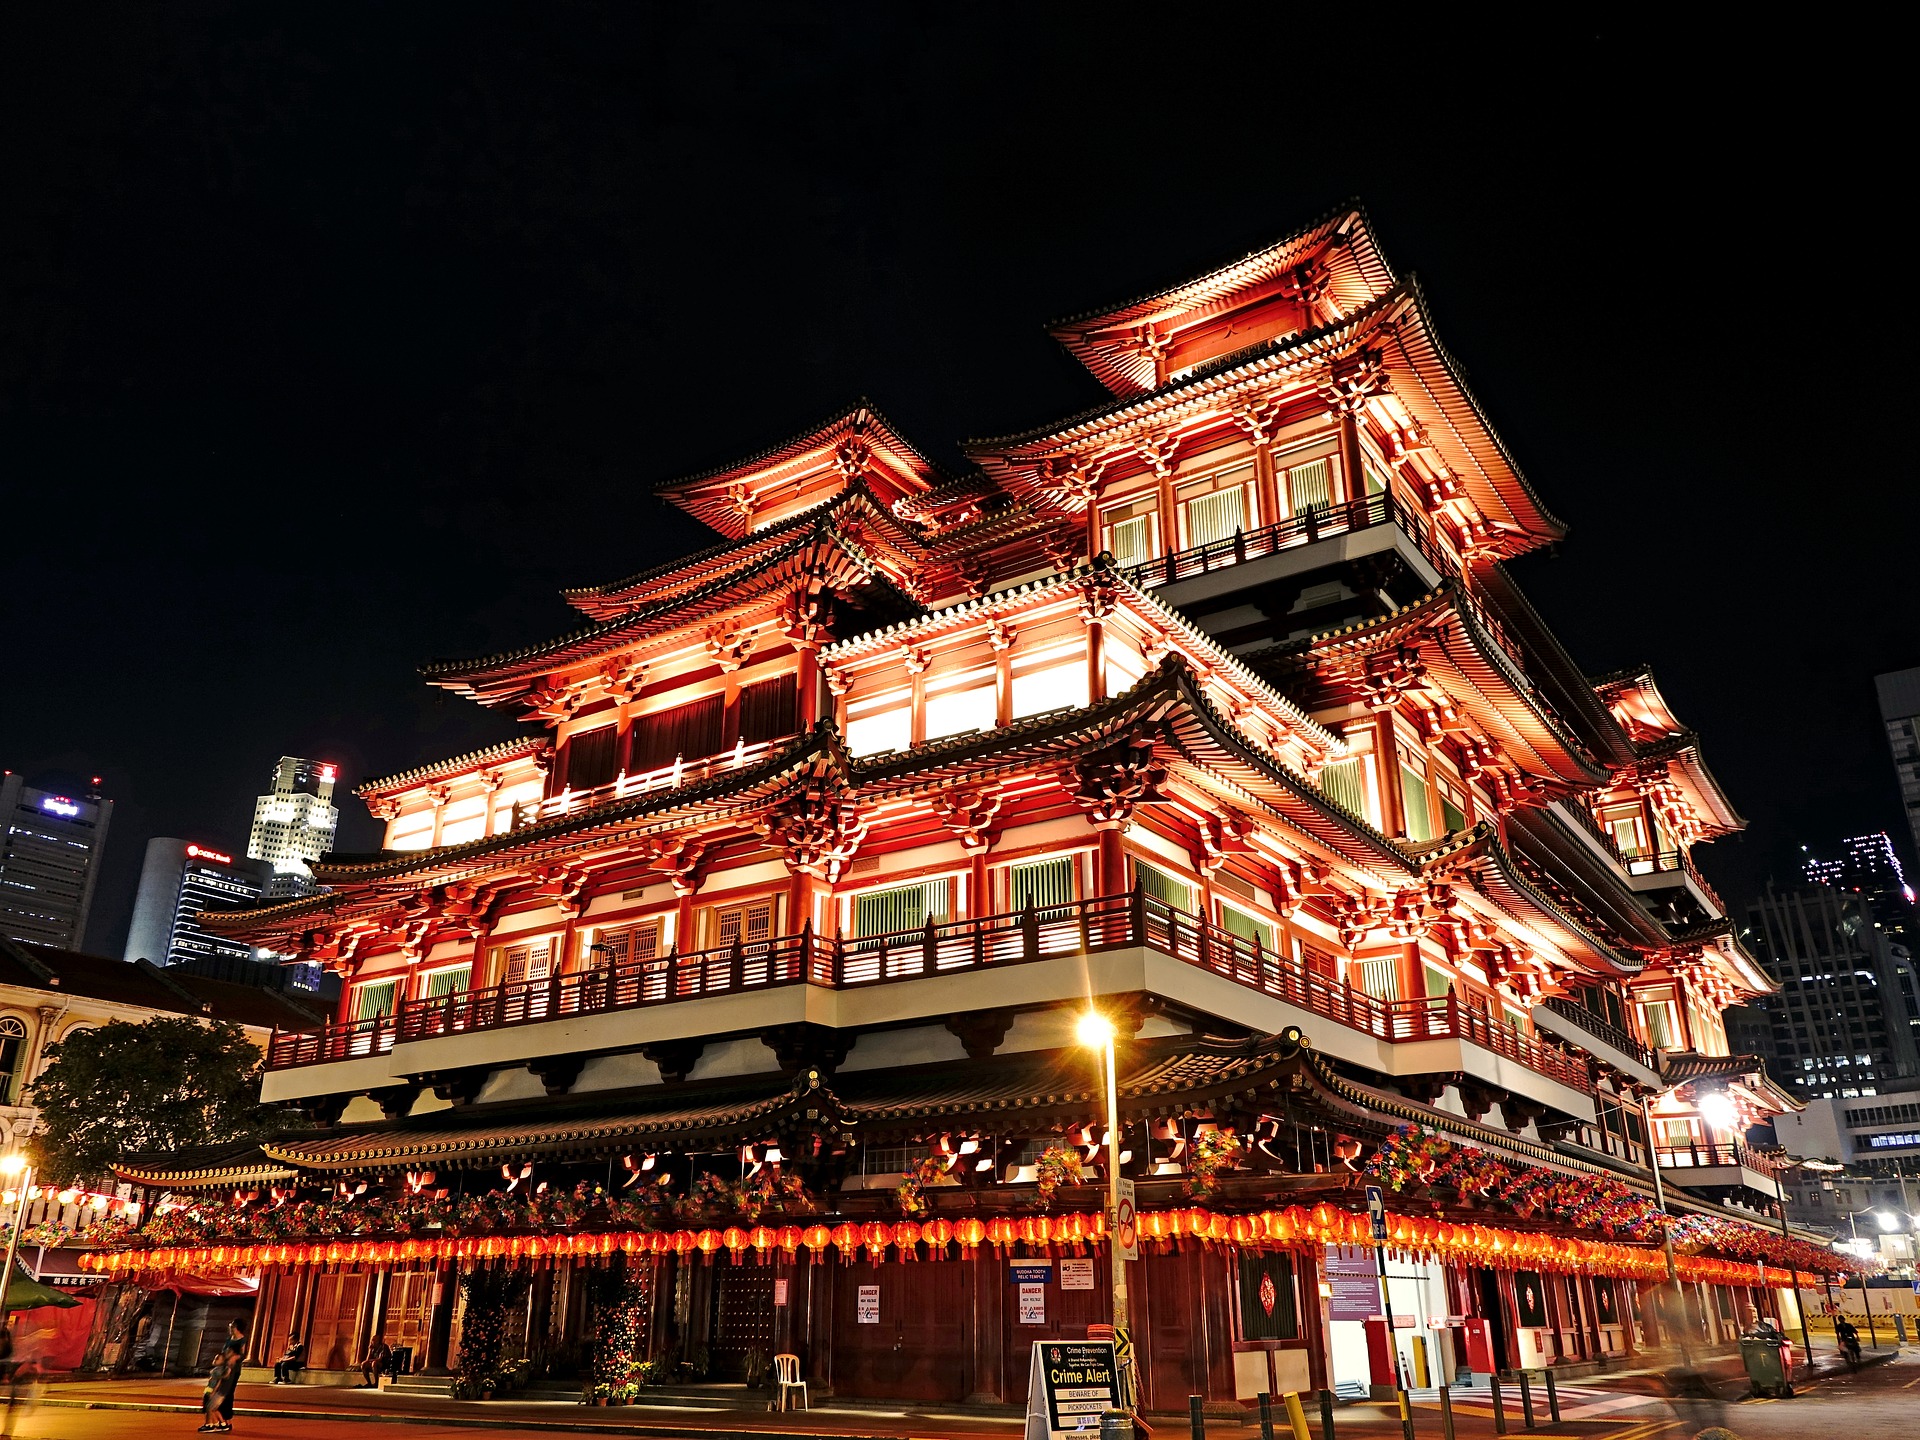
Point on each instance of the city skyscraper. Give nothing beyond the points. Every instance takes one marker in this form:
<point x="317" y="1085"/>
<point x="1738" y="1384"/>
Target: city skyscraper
<point x="50" y="857"/>
<point x="178" y="880"/>
<point x="1842" y="1020"/>
<point x="1900" y="710"/>
<point x="293" y="825"/>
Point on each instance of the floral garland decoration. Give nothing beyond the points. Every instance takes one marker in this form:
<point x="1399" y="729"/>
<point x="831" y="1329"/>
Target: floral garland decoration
<point x="1214" y="1152"/>
<point x="911" y="1191"/>
<point x="1059" y="1165"/>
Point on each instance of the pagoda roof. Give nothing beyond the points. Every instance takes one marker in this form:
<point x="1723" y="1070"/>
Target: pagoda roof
<point x="1552" y="667"/>
<point x="690" y="572"/>
<point x="1483" y="855"/>
<point x="498" y="754"/>
<point x="1607" y="892"/>
<point x="855" y="442"/>
<point x="1342" y="241"/>
<point x="817" y="552"/>
<point x="1398" y="327"/>
<point x="1655" y="733"/>
<point x="1686" y="767"/>
<point x="204" y="1167"/>
<point x="1467" y="663"/>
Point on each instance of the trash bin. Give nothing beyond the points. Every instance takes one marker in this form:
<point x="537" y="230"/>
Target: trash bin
<point x="1769" y="1365"/>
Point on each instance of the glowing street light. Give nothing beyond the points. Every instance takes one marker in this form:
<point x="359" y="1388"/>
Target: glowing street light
<point x="20" y="1178"/>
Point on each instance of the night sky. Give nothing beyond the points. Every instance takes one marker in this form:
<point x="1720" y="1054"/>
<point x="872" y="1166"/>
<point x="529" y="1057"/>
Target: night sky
<point x="336" y="339"/>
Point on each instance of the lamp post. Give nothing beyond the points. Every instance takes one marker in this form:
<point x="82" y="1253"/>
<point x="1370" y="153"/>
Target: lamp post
<point x="1806" y="1336"/>
<point x="1866" y="1300"/>
<point x="19" y="1174"/>
<point x="1666" y="1235"/>
<point x="1096" y="1033"/>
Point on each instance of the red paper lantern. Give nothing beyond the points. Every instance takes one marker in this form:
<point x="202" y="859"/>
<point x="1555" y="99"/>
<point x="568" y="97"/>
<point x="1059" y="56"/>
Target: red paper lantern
<point x="762" y="1240"/>
<point x="937" y="1234"/>
<point x="788" y="1237"/>
<point x="970" y="1232"/>
<point x="906" y="1238"/>
<point x="736" y="1242"/>
<point x="846" y="1241"/>
<point x="1000" y="1231"/>
<point x="876" y="1235"/>
<point x="816" y="1238"/>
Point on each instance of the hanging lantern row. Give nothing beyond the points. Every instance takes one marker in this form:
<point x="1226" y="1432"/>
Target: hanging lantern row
<point x="1295" y="1227"/>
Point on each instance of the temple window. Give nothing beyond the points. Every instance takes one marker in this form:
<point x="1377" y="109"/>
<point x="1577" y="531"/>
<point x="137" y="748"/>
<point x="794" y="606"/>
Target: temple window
<point x="1132" y="531"/>
<point x="1379" y="976"/>
<point x="522" y="964"/>
<point x="629" y="942"/>
<point x="881" y="724"/>
<point x="749" y="923"/>
<point x="1453" y="805"/>
<point x="411" y="832"/>
<point x="684" y="733"/>
<point x="1438" y="982"/>
<point x="1659" y="1023"/>
<point x="1049" y="681"/>
<point x="1624" y="824"/>
<point x="902" y="907"/>
<point x="1214" y="508"/>
<point x="450" y="980"/>
<point x="593" y="757"/>
<point x="1248" y="927"/>
<point x="1413" y="801"/>
<point x="770" y="709"/>
<point x="1168" y="889"/>
<point x="1040" y="883"/>
<point x="374" y="998"/>
<point x="1307" y="486"/>
<point x="966" y="703"/>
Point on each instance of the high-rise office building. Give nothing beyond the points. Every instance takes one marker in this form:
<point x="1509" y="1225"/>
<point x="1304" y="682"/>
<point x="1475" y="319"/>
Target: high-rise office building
<point x="178" y="880"/>
<point x="1900" y="710"/>
<point x="293" y="824"/>
<point x="1869" y="868"/>
<point x="1841" y="1020"/>
<point x="50" y="857"/>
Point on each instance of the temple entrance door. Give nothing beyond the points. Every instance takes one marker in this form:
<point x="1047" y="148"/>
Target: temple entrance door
<point x="409" y="1312"/>
<point x="1495" y="1314"/>
<point x="914" y="1343"/>
<point x="742" y="1319"/>
<point x="333" y="1340"/>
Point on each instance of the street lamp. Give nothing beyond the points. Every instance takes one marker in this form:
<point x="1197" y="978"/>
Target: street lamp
<point x="20" y="1175"/>
<point x="1887" y="1223"/>
<point x="1096" y="1033"/>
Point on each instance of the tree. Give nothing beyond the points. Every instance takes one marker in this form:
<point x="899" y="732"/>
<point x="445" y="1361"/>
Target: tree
<point x="168" y="1084"/>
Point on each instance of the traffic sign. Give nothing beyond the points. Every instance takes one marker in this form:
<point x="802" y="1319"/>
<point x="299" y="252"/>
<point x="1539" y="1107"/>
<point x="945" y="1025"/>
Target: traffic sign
<point x="1126" y="1226"/>
<point x="1377" y="1212"/>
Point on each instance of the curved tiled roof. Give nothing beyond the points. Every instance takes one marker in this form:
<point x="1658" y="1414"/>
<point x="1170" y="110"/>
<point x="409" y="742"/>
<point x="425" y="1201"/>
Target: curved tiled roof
<point x="456" y="765"/>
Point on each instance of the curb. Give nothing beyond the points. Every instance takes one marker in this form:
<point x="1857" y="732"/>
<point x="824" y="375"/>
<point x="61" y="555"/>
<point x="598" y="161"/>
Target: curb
<point x="477" y="1422"/>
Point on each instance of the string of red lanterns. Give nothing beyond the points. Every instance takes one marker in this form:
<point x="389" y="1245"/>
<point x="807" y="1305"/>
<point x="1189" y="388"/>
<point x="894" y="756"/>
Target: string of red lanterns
<point x="1293" y="1228"/>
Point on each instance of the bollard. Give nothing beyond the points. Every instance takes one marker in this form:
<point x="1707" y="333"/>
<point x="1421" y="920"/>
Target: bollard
<point x="1499" y="1406"/>
<point x="1296" y="1417"/>
<point x="1266" y="1416"/>
<point x="1196" y="1405"/>
<point x="1553" y="1398"/>
<point x="1446" y="1413"/>
<point x="1326" y="1415"/>
<point x="1526" y="1399"/>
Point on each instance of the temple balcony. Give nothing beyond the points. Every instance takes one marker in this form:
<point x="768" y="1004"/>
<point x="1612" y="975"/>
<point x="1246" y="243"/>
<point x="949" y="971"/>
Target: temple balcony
<point x="1121" y="945"/>
<point x="1733" y="1169"/>
<point x="1599" y="1037"/>
<point x="1266" y="584"/>
<point x="624" y="787"/>
<point x="1670" y="875"/>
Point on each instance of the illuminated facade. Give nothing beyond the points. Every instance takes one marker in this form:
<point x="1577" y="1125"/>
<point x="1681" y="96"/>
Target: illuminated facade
<point x="294" y="824"/>
<point x="1215" y="706"/>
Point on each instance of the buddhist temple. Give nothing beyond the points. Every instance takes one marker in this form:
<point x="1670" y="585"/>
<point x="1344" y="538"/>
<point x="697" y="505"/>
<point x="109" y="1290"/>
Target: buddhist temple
<point x="731" y="1012"/>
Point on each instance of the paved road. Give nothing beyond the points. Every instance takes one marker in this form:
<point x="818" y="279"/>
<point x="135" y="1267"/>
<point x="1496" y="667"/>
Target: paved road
<point x="1881" y="1403"/>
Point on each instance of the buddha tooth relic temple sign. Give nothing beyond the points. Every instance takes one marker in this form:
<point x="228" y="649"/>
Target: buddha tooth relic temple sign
<point x="731" y="1012"/>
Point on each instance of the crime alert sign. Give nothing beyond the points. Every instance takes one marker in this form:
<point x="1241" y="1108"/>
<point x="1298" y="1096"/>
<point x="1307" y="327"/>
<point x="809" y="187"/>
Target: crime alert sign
<point x="1071" y="1385"/>
<point x="1126" y="1222"/>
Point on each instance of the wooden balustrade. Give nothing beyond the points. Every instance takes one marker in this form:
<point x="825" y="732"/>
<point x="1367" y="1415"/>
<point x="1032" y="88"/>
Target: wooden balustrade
<point x="1108" y="922"/>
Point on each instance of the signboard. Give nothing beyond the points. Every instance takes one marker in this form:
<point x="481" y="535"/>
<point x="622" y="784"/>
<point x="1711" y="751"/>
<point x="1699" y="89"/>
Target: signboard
<point x="1354" y="1282"/>
<point x="1072" y="1384"/>
<point x="867" y="1310"/>
<point x="779" y="1292"/>
<point x="1076" y="1274"/>
<point x="1126" y="1226"/>
<point x="1029" y="1279"/>
<point x="1377" y="1212"/>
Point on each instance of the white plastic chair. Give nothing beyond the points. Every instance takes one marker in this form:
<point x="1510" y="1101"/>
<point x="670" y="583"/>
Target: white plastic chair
<point x="786" y="1380"/>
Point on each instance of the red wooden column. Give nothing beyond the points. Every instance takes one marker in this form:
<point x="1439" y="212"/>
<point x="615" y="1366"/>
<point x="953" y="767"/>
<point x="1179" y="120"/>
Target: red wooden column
<point x="1113" y="862"/>
<point x="986" y="1328"/>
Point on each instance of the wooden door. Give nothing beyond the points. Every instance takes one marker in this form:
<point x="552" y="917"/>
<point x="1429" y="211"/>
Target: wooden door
<point x="333" y="1340"/>
<point x="916" y="1348"/>
<point x="1068" y="1313"/>
<point x="742" y="1319"/>
<point x="410" y="1311"/>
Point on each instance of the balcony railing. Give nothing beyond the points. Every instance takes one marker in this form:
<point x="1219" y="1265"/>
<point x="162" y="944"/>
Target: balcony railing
<point x="1601" y="1029"/>
<point x="956" y="947"/>
<point x="1674" y="862"/>
<point x="1306" y="528"/>
<point x="1703" y="1155"/>
<point x="667" y="777"/>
